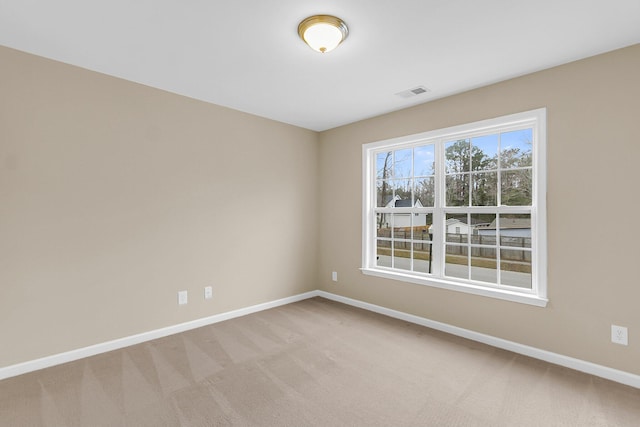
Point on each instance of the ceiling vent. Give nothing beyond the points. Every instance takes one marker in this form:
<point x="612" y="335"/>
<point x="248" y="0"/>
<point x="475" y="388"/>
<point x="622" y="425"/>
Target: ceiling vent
<point x="418" y="90"/>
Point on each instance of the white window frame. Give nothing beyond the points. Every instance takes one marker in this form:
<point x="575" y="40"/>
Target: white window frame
<point x="537" y="295"/>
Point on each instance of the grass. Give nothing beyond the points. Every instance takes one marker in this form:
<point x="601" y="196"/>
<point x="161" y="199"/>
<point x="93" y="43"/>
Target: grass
<point x="517" y="266"/>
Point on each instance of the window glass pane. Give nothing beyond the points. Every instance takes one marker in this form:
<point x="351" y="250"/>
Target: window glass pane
<point x="402" y="193"/>
<point x="484" y="189"/>
<point x="402" y="226"/>
<point x="484" y="229"/>
<point x="457" y="262"/>
<point x="483" y="264"/>
<point x="425" y="192"/>
<point x="402" y="161"/>
<point x="457" y="157"/>
<point x="422" y="226"/>
<point x="457" y="228"/>
<point x="402" y="255"/>
<point x="515" y="230"/>
<point x="383" y="253"/>
<point x="515" y="268"/>
<point x="457" y="191"/>
<point x="515" y="149"/>
<point x="424" y="160"/>
<point x="484" y="153"/>
<point x="422" y="256"/>
<point x="516" y="188"/>
<point x="483" y="257"/>
<point x="383" y="225"/>
<point x="384" y="193"/>
<point x="383" y="165"/>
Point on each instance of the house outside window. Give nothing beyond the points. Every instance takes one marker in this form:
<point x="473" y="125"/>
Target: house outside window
<point x="461" y="208"/>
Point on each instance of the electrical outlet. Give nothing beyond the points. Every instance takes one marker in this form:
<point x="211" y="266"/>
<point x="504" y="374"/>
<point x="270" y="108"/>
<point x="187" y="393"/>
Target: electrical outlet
<point x="334" y="276"/>
<point x="208" y="292"/>
<point x="619" y="335"/>
<point x="182" y="298"/>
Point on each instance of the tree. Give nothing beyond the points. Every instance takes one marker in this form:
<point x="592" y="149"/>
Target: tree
<point x="384" y="172"/>
<point x="517" y="182"/>
<point x="462" y="158"/>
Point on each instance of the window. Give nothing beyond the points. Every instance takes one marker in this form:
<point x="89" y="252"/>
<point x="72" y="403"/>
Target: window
<point x="461" y="208"/>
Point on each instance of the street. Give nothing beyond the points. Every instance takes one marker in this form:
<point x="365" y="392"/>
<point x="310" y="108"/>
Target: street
<point x="510" y="278"/>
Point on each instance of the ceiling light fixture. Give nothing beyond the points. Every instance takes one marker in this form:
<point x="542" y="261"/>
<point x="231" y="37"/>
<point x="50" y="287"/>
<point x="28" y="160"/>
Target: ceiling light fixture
<point x="323" y="33"/>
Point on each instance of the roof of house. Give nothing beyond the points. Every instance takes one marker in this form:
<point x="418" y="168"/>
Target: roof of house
<point x="452" y="221"/>
<point x="401" y="203"/>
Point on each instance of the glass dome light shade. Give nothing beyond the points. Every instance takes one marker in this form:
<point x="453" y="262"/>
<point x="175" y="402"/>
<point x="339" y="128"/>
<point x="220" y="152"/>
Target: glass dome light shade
<point x="323" y="33"/>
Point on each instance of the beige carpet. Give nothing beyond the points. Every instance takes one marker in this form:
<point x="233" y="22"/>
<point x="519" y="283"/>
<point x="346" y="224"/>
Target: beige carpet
<point x="314" y="363"/>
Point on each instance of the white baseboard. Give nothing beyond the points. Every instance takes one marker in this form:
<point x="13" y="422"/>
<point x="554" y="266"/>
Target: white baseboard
<point x="558" y="359"/>
<point x="70" y="356"/>
<point x="616" y="375"/>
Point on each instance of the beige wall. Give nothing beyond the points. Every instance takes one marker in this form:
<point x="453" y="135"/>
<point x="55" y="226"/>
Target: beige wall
<point x="593" y="116"/>
<point x="115" y="196"/>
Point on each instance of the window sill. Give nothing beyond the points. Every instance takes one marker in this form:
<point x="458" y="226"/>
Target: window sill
<point x="502" y="294"/>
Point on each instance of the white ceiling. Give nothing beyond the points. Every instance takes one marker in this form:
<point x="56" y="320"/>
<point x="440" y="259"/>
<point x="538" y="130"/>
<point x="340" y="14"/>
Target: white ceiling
<point x="245" y="54"/>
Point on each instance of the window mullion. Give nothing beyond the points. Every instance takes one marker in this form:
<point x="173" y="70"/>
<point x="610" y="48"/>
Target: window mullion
<point x="437" y="238"/>
<point x="498" y="252"/>
<point x="499" y="180"/>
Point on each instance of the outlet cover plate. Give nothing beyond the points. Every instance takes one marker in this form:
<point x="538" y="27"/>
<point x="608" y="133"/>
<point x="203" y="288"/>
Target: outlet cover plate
<point x="619" y="335"/>
<point x="208" y="292"/>
<point x="182" y="298"/>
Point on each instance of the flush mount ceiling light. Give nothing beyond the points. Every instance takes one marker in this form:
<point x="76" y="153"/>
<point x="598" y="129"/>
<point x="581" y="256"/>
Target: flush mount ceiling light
<point x="323" y="33"/>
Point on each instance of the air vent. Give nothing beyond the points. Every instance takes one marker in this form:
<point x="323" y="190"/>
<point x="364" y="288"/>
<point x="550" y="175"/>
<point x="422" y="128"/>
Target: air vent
<point x="419" y="90"/>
